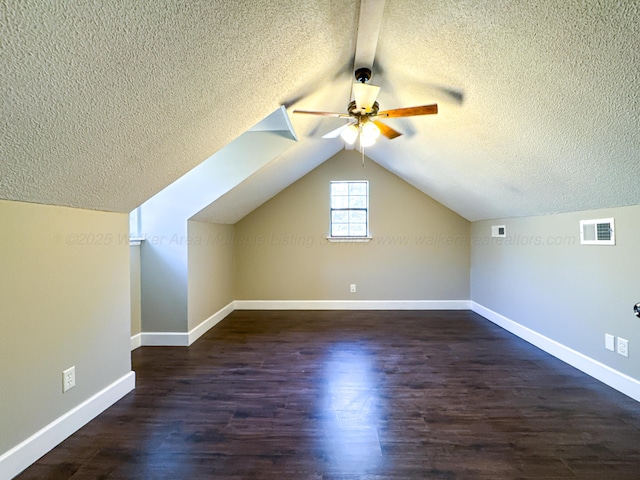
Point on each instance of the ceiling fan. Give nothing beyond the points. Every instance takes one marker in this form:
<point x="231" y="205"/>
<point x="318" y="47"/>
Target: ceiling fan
<point x="364" y="112"/>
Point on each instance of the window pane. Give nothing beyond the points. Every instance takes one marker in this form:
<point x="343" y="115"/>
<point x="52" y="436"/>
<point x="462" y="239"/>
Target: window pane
<point x="357" y="188"/>
<point x="358" y="202"/>
<point x="340" y="216"/>
<point x="339" y="230"/>
<point x="134" y="223"/>
<point x="358" y="229"/>
<point x="339" y="201"/>
<point x="339" y="188"/>
<point x="357" y="216"/>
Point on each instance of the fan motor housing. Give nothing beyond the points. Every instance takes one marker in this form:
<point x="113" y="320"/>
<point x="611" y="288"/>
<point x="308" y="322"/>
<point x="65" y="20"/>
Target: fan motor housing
<point x="356" y="112"/>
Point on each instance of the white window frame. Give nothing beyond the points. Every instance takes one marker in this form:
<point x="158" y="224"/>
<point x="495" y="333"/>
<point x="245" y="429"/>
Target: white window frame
<point x="348" y="238"/>
<point x="135" y="227"/>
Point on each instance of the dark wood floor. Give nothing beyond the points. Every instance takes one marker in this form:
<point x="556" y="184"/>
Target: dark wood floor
<point x="355" y="395"/>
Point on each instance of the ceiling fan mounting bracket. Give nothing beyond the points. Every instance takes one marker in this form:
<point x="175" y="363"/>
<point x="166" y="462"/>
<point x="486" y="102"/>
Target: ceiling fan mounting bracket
<point x="363" y="74"/>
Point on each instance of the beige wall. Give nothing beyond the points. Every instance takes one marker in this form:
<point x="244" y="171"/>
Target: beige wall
<point x="419" y="249"/>
<point x="541" y="277"/>
<point x="211" y="273"/>
<point x="64" y="300"/>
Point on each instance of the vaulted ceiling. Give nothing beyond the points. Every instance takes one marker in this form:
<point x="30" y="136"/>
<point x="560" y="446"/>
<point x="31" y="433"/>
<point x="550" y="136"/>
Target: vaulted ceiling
<point x="106" y="103"/>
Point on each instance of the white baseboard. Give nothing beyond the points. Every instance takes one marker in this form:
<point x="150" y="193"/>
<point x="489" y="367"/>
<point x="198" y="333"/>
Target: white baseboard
<point x="27" y="452"/>
<point x="164" y="339"/>
<point x="352" y="305"/>
<point x="136" y="341"/>
<point x="180" y="339"/>
<point x="607" y="375"/>
<point x="210" y="322"/>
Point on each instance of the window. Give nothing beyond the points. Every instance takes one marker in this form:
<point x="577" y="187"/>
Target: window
<point x="135" y="227"/>
<point x="350" y="209"/>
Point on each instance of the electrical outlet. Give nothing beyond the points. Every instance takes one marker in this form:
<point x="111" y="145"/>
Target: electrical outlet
<point x="353" y="288"/>
<point x="68" y="379"/>
<point x="609" y="342"/>
<point x="623" y="347"/>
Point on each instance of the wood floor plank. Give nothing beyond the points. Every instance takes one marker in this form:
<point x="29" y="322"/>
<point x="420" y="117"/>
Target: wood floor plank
<point x="355" y="395"/>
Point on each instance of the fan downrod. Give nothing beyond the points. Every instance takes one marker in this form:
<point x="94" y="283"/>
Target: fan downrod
<point x="363" y="75"/>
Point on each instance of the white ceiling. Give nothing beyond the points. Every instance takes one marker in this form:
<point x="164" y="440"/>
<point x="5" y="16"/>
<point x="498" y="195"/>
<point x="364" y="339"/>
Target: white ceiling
<point x="105" y="103"/>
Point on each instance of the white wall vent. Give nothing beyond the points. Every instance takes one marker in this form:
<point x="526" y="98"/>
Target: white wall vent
<point x="498" y="231"/>
<point x="597" y="232"/>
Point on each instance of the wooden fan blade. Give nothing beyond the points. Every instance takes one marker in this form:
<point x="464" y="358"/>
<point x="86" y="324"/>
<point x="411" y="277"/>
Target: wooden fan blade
<point x="324" y="114"/>
<point x="386" y="130"/>
<point x="409" y="111"/>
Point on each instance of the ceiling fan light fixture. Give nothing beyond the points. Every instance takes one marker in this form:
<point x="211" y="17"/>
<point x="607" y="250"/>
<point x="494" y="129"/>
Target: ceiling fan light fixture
<point x="366" y="142"/>
<point x="365" y="96"/>
<point x="350" y="134"/>
<point x="369" y="133"/>
<point x="364" y="112"/>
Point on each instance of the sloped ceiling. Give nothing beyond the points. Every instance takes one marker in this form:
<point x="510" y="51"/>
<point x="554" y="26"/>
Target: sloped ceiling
<point x="550" y="115"/>
<point x="105" y="103"/>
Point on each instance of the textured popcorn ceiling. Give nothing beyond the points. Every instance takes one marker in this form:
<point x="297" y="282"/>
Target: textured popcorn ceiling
<point x="551" y="111"/>
<point x="105" y="103"/>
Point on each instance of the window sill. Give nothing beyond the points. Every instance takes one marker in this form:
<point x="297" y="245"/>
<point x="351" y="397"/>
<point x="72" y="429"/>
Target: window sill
<point x="349" y="239"/>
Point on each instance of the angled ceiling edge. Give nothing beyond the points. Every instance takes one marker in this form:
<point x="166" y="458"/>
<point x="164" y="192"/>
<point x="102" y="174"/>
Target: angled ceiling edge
<point x="221" y="171"/>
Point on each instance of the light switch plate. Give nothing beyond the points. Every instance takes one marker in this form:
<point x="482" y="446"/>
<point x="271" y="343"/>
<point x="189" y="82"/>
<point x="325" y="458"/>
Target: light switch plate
<point x="609" y="342"/>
